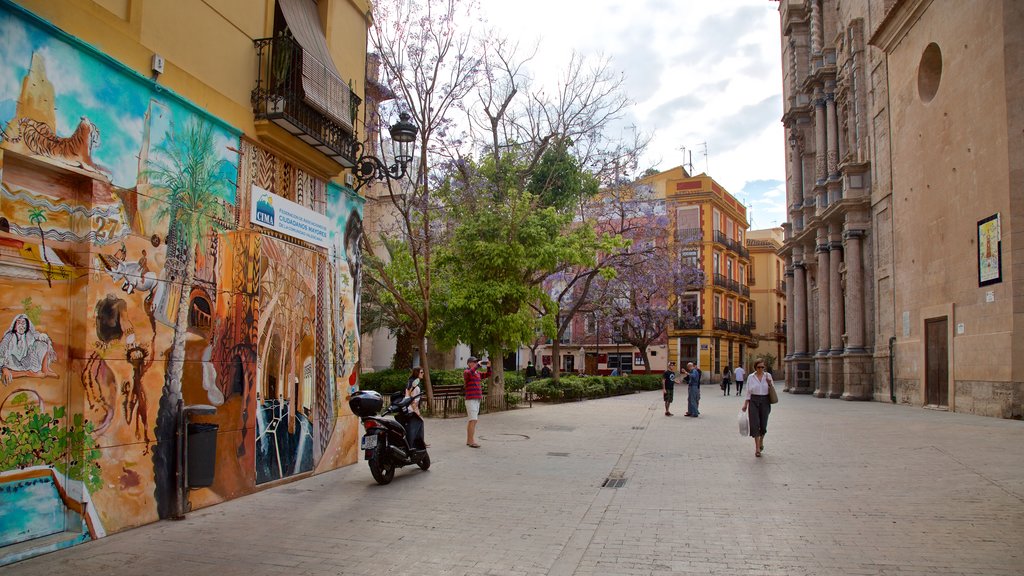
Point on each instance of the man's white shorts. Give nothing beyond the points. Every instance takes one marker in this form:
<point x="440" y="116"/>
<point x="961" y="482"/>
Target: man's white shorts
<point x="473" y="408"/>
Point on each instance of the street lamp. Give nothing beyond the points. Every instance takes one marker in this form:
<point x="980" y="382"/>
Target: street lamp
<point x="403" y="144"/>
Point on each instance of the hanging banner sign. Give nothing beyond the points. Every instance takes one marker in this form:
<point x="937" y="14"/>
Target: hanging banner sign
<point x="282" y="215"/>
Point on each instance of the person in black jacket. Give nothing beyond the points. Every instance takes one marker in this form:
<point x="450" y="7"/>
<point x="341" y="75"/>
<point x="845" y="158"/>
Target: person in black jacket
<point x="531" y="372"/>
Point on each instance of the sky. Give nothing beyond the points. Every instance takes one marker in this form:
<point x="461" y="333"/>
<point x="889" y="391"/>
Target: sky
<point x="702" y="74"/>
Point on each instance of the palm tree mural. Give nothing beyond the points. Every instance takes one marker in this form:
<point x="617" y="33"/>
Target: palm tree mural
<point x="188" y="168"/>
<point x="37" y="216"/>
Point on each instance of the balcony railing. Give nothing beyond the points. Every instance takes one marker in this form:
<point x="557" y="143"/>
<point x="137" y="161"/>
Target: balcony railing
<point x="735" y="327"/>
<point x="780" y="329"/>
<point x="731" y="285"/>
<point x="782" y="286"/>
<point x="299" y="94"/>
<point x="690" y="323"/>
<point x="735" y="246"/>
<point x="687" y="235"/>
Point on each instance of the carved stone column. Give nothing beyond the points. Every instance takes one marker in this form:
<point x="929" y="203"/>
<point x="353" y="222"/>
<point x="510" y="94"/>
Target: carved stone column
<point x="790" y="323"/>
<point x="790" y="327"/>
<point x="796" y="167"/>
<point x="820" y="139"/>
<point x="832" y="134"/>
<point x="800" y="366"/>
<point x="855" y="343"/>
<point x="836" y="312"/>
<point x="823" y="318"/>
<point x="815" y="27"/>
<point x="799" y="308"/>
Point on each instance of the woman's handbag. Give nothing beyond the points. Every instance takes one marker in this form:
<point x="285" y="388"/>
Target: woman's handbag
<point x="744" y="423"/>
<point x="773" y="396"/>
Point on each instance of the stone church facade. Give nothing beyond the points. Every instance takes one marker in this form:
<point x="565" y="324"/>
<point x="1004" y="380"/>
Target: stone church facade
<point x="905" y="186"/>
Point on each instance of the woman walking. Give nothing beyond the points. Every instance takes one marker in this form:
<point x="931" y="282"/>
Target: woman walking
<point x="756" y="399"/>
<point x="727" y="381"/>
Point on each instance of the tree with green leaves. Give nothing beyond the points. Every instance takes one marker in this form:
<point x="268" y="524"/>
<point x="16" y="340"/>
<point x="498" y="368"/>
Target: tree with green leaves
<point x="37" y="216"/>
<point x="426" y="59"/>
<point x="188" y="169"/>
<point x="503" y="245"/>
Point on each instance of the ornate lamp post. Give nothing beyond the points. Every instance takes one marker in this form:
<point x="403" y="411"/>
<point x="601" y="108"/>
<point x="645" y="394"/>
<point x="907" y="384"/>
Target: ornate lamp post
<point x="403" y="144"/>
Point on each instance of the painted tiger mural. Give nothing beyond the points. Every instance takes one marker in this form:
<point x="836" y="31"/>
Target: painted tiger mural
<point x="75" y="150"/>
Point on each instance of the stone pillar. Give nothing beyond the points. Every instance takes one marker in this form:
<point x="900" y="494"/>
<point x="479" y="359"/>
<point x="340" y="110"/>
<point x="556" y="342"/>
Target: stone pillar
<point x="820" y="137"/>
<point x="796" y="167"/>
<point x="790" y="327"/>
<point x="815" y="27"/>
<point x="790" y="298"/>
<point x="836" y="313"/>
<point x="855" y="343"/>
<point x="824" y="308"/>
<point x="832" y="133"/>
<point x="800" y="366"/>
<point x="799" y="308"/>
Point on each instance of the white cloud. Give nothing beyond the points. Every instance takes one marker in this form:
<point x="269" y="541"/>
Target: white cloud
<point x="698" y="71"/>
<point x="64" y="71"/>
<point x="14" y="51"/>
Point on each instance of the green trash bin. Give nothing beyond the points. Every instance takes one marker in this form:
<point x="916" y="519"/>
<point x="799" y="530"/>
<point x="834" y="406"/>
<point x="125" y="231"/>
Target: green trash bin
<point x="202" y="454"/>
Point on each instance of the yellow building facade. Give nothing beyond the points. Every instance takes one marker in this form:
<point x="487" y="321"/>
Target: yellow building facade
<point x="768" y="294"/>
<point x="708" y="230"/>
<point x="176" y="237"/>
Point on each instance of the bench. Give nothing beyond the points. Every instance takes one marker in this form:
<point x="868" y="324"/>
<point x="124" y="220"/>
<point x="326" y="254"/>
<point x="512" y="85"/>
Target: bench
<point x="447" y="400"/>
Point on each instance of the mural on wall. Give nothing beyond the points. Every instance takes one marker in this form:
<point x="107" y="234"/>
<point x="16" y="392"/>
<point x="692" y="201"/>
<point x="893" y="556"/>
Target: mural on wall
<point x="137" y="289"/>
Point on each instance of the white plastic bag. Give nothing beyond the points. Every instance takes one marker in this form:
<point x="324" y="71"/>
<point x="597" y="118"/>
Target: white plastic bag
<point x="744" y="423"/>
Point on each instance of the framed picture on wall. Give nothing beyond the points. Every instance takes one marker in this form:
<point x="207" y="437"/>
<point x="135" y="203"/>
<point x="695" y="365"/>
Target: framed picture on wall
<point x="990" y="251"/>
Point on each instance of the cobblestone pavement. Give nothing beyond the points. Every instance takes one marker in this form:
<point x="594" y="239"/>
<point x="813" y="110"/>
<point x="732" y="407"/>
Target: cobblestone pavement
<point x="843" y="488"/>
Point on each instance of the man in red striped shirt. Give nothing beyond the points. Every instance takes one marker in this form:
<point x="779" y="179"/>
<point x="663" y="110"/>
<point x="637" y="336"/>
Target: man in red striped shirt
<point x="474" y="393"/>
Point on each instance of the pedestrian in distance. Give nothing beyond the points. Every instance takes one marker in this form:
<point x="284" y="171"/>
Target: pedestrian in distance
<point x="727" y="381"/>
<point x="668" y="386"/>
<point x="545" y="372"/>
<point x="531" y="372"/>
<point x="474" y="393"/>
<point x="740" y="374"/>
<point x="693" y="390"/>
<point x="759" y="404"/>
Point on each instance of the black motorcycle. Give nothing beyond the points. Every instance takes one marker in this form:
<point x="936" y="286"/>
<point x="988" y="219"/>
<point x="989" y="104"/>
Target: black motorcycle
<point x="389" y="444"/>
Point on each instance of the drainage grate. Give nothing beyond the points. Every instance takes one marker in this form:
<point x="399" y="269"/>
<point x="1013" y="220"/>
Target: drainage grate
<point x="556" y="428"/>
<point x="613" y="483"/>
<point x="558" y="453"/>
<point x="639" y="427"/>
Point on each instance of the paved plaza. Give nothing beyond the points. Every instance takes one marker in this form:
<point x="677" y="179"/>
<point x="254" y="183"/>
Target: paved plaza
<point x="843" y="488"/>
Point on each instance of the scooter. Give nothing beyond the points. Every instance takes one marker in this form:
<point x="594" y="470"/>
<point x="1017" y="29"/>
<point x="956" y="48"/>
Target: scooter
<point x="386" y="444"/>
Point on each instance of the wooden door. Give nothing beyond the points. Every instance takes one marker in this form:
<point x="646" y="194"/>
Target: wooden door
<point x="936" y="361"/>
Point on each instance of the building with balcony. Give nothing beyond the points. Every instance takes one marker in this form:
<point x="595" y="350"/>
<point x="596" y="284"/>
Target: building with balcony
<point x="768" y="296"/>
<point x="175" y="230"/>
<point x="905" y="166"/>
<point x="715" y="322"/>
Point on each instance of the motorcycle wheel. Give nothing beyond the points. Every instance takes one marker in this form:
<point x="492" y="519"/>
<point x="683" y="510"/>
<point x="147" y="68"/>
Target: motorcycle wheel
<point x="425" y="462"/>
<point x="381" y="467"/>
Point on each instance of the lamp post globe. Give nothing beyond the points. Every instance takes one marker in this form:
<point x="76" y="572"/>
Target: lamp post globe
<point x="403" y="138"/>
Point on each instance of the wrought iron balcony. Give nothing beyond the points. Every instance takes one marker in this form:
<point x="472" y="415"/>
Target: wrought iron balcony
<point x="690" y="323"/>
<point x="737" y="247"/>
<point x="745" y="290"/>
<point x="731" y="285"/>
<point x="780" y="329"/>
<point x="735" y="327"/>
<point x="688" y="235"/>
<point x="301" y="95"/>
